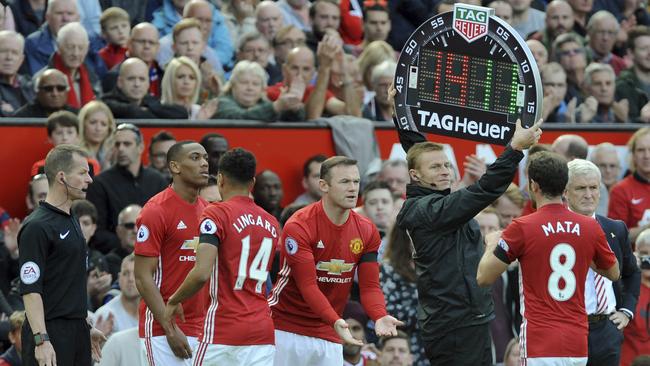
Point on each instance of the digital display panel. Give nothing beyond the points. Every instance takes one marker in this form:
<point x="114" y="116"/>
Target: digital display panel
<point x="445" y="77"/>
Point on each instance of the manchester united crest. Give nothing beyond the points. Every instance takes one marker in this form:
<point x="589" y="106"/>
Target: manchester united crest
<point x="356" y="245"/>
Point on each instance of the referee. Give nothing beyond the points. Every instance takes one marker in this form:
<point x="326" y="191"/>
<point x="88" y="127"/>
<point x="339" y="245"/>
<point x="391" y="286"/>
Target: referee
<point x="53" y="259"/>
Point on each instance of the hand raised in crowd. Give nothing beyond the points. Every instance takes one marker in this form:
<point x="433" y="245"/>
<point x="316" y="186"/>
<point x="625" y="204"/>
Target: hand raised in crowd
<point x="588" y="109"/>
<point x="11" y="236"/>
<point x="327" y="49"/>
<point x="475" y="167"/>
<point x="105" y="325"/>
<point x="208" y="109"/>
<point x="343" y="330"/>
<point x="45" y="355"/>
<point x="290" y="98"/>
<point x="571" y="110"/>
<point x="526" y="137"/>
<point x="551" y="101"/>
<point x="621" y="110"/>
<point x="97" y="340"/>
<point x="387" y="326"/>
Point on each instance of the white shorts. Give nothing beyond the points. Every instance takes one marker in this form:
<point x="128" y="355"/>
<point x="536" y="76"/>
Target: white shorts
<point x="158" y="352"/>
<point x="555" y="361"/>
<point x="293" y="349"/>
<point x="219" y="354"/>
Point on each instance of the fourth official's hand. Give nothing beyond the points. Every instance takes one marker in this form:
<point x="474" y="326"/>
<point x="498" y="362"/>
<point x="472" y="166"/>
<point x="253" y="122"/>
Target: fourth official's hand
<point x="526" y="137"/>
<point x="45" y="355"/>
<point x="619" y="319"/>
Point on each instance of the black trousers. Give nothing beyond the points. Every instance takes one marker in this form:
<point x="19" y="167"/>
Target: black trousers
<point x="69" y="337"/>
<point x="604" y="343"/>
<point x="470" y="346"/>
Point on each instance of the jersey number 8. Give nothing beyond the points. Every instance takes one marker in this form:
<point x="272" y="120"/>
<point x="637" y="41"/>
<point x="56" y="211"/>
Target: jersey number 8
<point x="258" y="269"/>
<point x="562" y="271"/>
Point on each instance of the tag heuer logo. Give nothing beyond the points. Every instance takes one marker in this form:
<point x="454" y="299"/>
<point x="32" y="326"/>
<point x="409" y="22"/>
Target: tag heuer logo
<point x="471" y="21"/>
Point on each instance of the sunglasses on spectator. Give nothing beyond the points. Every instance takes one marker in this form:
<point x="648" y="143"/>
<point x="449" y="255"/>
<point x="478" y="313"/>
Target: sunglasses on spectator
<point x="50" y="88"/>
<point x="130" y="127"/>
<point x="128" y="225"/>
<point x="576" y="51"/>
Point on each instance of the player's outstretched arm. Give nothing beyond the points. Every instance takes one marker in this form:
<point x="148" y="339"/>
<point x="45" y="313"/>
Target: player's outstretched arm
<point x="490" y="267"/>
<point x="145" y="267"/>
<point x="372" y="297"/>
<point x="206" y="255"/>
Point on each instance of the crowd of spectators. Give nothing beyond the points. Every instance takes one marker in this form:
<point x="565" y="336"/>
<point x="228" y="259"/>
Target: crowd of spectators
<point x="85" y="64"/>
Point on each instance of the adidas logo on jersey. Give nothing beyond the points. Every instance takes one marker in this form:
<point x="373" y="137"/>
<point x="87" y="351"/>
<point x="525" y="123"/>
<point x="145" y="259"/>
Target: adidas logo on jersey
<point x="181" y="225"/>
<point x="320" y="245"/>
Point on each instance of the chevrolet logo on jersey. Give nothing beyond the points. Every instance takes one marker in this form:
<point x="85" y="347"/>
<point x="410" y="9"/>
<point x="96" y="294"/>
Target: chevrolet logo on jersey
<point x="335" y="266"/>
<point x="191" y="244"/>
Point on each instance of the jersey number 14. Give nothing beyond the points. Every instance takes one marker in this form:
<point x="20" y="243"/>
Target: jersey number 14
<point x="258" y="268"/>
<point x="562" y="271"/>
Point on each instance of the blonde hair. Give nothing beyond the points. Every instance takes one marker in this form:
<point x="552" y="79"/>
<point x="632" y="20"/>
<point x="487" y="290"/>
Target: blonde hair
<point x="167" y="85"/>
<point x="88" y="110"/>
<point x="420" y="148"/>
<point x="246" y="67"/>
<point x="113" y="14"/>
<point x="631" y="144"/>
<point x="375" y="53"/>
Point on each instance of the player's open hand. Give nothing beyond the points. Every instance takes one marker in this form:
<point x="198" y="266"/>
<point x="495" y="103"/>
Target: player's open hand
<point x="178" y="342"/>
<point x="387" y="326"/>
<point x="343" y="330"/>
<point x="526" y="137"/>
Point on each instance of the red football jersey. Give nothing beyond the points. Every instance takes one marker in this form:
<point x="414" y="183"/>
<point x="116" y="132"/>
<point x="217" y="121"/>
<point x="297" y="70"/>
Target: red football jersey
<point x="554" y="247"/>
<point x="168" y="228"/>
<point x="246" y="237"/>
<point x="629" y="201"/>
<point x="335" y="253"/>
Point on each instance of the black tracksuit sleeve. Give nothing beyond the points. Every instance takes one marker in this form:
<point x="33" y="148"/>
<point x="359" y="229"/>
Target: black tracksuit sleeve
<point x="408" y="138"/>
<point x="457" y="208"/>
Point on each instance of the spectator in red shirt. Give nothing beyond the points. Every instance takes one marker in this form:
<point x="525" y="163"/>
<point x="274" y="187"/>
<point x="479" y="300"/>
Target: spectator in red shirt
<point x="116" y="27"/>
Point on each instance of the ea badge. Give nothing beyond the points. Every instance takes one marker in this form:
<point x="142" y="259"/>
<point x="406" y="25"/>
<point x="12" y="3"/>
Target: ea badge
<point x="208" y="227"/>
<point x="291" y="245"/>
<point x="29" y="273"/>
<point x="143" y="234"/>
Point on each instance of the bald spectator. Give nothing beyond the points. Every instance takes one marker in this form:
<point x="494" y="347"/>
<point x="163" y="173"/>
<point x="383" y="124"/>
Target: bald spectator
<point x="256" y="48"/>
<point x="286" y="39"/>
<point x="268" y="192"/>
<point x="201" y="12"/>
<point x="556" y="108"/>
<point x="296" y="13"/>
<point x="603" y="29"/>
<point x="143" y="44"/>
<point x="395" y="172"/>
<point x="297" y="73"/>
<point x="526" y="20"/>
<point x="325" y="18"/>
<point x="571" y="146"/>
<point x="126" y="231"/>
<point x="502" y="9"/>
<point x="268" y="18"/>
<point x="568" y="51"/>
<point x="41" y="44"/>
<point x="633" y="84"/>
<point x="52" y="89"/>
<point x="581" y="10"/>
<point x="539" y="52"/>
<point x="240" y="18"/>
<point x="600" y="105"/>
<point x="131" y="99"/>
<point x="28" y="15"/>
<point x="559" y="20"/>
<point x="16" y="90"/>
<point x="213" y="23"/>
<point x="70" y="59"/>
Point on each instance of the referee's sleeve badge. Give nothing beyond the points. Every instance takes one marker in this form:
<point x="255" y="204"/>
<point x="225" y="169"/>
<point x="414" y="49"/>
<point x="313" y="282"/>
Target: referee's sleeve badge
<point x="29" y="273"/>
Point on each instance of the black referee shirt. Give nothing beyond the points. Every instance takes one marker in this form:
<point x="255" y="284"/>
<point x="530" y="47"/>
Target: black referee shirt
<point x="53" y="260"/>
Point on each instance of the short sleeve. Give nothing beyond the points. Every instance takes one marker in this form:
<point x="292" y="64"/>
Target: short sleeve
<point x="151" y="232"/>
<point x="511" y="243"/>
<point x="211" y="225"/>
<point x="295" y="244"/>
<point x="603" y="257"/>
<point x="33" y="245"/>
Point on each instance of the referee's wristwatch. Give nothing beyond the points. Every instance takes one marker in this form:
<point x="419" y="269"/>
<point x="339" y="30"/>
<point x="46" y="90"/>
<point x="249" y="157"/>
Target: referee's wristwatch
<point x="41" y="338"/>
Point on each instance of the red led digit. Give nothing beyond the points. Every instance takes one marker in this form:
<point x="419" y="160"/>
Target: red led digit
<point x="452" y="78"/>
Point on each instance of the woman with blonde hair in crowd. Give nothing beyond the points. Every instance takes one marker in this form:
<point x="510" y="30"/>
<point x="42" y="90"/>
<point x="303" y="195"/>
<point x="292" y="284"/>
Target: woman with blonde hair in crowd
<point x="244" y="97"/>
<point x="96" y="128"/>
<point x="375" y="53"/>
<point x="181" y="85"/>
